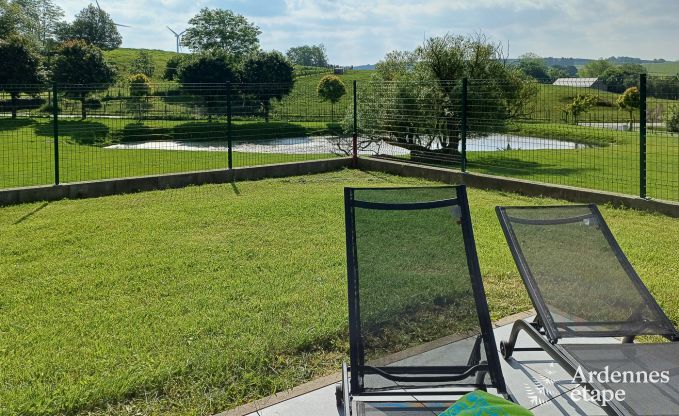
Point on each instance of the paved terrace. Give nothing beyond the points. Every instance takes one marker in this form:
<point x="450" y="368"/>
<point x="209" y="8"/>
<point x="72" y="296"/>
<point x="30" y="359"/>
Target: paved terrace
<point x="535" y="380"/>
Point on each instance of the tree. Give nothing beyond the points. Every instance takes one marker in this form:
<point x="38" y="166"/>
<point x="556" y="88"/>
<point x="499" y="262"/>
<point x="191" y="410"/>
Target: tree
<point x="595" y="69"/>
<point x="580" y="105"/>
<point x="271" y="77"/>
<point x="420" y="109"/>
<point x="331" y="88"/>
<point x="619" y="78"/>
<point x="93" y="26"/>
<point x="562" y="71"/>
<point x="143" y="64"/>
<point x="207" y="68"/>
<point x="78" y="62"/>
<point x="20" y="69"/>
<point x="672" y="119"/>
<point x="218" y="29"/>
<point x="172" y="66"/>
<point x="140" y="88"/>
<point x="533" y="66"/>
<point x="308" y="55"/>
<point x="630" y="100"/>
<point x="41" y="19"/>
<point x="11" y="19"/>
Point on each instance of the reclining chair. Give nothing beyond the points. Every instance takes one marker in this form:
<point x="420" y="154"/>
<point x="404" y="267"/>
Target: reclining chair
<point x="582" y="286"/>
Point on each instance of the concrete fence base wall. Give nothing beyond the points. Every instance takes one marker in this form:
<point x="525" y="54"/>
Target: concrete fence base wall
<point x="530" y="188"/>
<point x="475" y="180"/>
<point x="175" y="180"/>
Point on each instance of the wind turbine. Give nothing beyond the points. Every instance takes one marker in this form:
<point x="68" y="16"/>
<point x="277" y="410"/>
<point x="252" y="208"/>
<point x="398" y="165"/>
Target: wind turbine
<point x="176" y="35"/>
<point x="100" y="11"/>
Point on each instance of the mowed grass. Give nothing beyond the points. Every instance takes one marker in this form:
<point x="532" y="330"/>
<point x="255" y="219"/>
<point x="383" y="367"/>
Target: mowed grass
<point x="610" y="167"/>
<point x="27" y="149"/>
<point x="192" y="301"/>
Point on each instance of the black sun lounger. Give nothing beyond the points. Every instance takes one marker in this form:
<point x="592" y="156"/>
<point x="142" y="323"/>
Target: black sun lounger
<point x="420" y="330"/>
<point x="582" y="286"/>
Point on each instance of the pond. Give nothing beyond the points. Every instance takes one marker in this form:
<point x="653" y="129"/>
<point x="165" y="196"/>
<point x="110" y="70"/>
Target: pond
<point x="332" y="145"/>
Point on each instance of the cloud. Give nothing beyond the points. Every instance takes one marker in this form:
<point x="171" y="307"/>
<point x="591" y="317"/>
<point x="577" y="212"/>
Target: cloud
<point x="362" y="31"/>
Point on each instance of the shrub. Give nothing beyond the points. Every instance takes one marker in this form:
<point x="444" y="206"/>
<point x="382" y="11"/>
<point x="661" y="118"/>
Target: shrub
<point x="331" y="88"/>
<point x="672" y="120"/>
<point x="140" y="85"/>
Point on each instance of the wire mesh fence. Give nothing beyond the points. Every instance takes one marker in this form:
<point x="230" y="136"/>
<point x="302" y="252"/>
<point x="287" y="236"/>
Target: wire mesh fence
<point x="578" y="132"/>
<point x="622" y="137"/>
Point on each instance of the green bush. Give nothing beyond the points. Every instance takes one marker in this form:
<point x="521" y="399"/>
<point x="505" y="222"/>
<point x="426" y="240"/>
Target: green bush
<point x="673" y="118"/>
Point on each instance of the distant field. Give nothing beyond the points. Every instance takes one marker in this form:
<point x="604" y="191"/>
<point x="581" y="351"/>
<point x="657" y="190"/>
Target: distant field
<point x="665" y="68"/>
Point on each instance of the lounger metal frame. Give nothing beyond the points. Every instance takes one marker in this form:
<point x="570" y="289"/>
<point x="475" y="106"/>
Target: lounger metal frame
<point x="543" y="330"/>
<point x="351" y="386"/>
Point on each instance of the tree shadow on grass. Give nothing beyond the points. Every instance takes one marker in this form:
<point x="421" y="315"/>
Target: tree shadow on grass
<point x="502" y="165"/>
<point x="7" y="124"/>
<point x="84" y="132"/>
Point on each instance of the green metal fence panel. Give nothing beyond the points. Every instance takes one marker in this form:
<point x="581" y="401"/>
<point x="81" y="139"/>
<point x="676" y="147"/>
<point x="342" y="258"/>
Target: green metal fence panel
<point x="575" y="132"/>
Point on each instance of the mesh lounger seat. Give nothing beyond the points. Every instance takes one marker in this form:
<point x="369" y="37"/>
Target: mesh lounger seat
<point x="582" y="286"/>
<point x="420" y="330"/>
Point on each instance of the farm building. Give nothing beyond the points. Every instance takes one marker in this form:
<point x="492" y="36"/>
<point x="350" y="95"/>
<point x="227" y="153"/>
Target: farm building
<point x="595" y="83"/>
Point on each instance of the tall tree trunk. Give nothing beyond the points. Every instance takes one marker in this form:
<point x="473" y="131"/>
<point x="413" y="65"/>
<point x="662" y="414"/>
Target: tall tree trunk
<point x="14" y="105"/>
<point x="266" y="111"/>
<point x="83" y="108"/>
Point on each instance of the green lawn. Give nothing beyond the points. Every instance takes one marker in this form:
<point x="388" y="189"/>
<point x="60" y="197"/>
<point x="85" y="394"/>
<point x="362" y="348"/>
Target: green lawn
<point x="610" y="163"/>
<point x="27" y="158"/>
<point x="195" y="300"/>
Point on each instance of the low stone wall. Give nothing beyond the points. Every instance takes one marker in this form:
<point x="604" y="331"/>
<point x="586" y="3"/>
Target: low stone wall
<point x="175" y="180"/>
<point x="530" y="188"/>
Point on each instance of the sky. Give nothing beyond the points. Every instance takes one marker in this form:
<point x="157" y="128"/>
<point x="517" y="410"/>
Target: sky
<point x="359" y="32"/>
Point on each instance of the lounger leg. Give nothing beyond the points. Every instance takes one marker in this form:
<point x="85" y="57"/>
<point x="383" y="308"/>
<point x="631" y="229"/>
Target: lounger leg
<point x="507" y="347"/>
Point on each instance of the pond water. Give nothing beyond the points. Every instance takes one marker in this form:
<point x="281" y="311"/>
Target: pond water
<point x="332" y="145"/>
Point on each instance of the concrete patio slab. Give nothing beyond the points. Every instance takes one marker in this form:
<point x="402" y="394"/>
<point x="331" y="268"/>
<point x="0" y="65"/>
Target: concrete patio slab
<point x="533" y="378"/>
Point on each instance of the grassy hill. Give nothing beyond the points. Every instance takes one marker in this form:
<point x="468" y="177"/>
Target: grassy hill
<point x="123" y="58"/>
<point x="665" y="68"/>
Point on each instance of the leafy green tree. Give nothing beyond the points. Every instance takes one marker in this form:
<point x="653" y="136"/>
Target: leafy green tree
<point x="140" y="88"/>
<point x="619" y="78"/>
<point x="580" y="105"/>
<point x="331" y="88"/>
<point x="630" y="101"/>
<point x="93" y="26"/>
<point x="172" y="66"/>
<point x="41" y="19"/>
<point x="10" y="18"/>
<point x="20" y="69"/>
<point x="562" y="71"/>
<point x="672" y="119"/>
<point x="143" y="64"/>
<point x="271" y="77"/>
<point x="218" y="29"/>
<point x="208" y="68"/>
<point x="82" y="64"/>
<point x="533" y="66"/>
<point x="420" y="108"/>
<point x="308" y="55"/>
<point x="595" y="69"/>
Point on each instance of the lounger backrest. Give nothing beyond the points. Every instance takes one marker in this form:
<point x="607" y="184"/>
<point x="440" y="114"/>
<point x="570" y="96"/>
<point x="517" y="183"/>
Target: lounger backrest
<point x="416" y="298"/>
<point x="578" y="278"/>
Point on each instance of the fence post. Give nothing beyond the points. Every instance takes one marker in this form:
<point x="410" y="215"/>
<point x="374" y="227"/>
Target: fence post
<point x="354" y="141"/>
<point x="463" y="151"/>
<point x="55" y="130"/>
<point x="642" y="136"/>
<point x="228" y="124"/>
